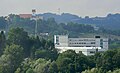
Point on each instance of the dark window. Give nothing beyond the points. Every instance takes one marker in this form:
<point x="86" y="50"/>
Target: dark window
<point x="101" y="46"/>
<point x="92" y="42"/>
<point x="88" y="46"/>
<point x="97" y="36"/>
<point x="92" y="51"/>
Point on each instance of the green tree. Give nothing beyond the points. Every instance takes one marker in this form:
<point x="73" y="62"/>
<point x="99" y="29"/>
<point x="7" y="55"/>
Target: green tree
<point x="115" y="71"/>
<point x="46" y="54"/>
<point x="83" y="62"/>
<point x="3" y="23"/>
<point x="2" y="42"/>
<point x="19" y="37"/>
<point x="35" y="44"/>
<point x="93" y="70"/>
<point x="29" y="71"/>
<point x="34" y="66"/>
<point x="53" y="67"/>
<point x="11" y="58"/>
<point x="72" y="62"/>
<point x="108" y="60"/>
<point x="65" y="62"/>
<point x="18" y="70"/>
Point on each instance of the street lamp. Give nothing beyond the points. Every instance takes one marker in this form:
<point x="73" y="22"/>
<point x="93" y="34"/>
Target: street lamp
<point x="35" y="17"/>
<point x="36" y="27"/>
<point x="7" y="25"/>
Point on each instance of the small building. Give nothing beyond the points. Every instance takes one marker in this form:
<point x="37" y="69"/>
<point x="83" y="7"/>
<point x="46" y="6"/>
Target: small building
<point x="25" y="15"/>
<point x="31" y="16"/>
<point x="88" y="46"/>
<point x="44" y="34"/>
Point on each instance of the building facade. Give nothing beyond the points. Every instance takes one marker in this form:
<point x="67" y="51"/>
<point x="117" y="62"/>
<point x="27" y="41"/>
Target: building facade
<point x="31" y="16"/>
<point x="25" y="15"/>
<point x="88" y="46"/>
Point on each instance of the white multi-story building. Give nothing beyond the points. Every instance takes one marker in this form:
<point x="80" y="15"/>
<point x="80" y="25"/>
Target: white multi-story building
<point x="88" y="46"/>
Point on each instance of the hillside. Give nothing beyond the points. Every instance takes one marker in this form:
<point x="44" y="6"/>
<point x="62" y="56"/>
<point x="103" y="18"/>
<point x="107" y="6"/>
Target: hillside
<point x="111" y="21"/>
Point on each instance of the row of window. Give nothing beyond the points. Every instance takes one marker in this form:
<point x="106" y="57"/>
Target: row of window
<point x="82" y="46"/>
<point x="92" y="51"/>
<point x="81" y="40"/>
<point x="83" y="43"/>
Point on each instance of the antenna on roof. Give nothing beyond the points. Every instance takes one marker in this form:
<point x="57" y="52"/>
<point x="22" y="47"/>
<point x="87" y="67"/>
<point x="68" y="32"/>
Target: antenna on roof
<point x="59" y="11"/>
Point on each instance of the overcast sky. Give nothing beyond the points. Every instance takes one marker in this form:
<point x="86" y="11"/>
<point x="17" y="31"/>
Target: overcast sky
<point x="78" y="7"/>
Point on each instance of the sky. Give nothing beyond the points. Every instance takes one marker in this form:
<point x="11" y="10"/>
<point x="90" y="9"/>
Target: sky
<point x="82" y="8"/>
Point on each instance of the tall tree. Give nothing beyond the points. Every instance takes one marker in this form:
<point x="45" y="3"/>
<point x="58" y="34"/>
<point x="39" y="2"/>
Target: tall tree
<point x="2" y="42"/>
<point x="65" y="62"/>
<point x="11" y="58"/>
<point x="19" y="37"/>
<point x="3" y="23"/>
<point x="34" y="66"/>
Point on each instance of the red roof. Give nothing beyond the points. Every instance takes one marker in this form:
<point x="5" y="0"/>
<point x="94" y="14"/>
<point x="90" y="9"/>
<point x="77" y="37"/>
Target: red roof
<point x="25" y="15"/>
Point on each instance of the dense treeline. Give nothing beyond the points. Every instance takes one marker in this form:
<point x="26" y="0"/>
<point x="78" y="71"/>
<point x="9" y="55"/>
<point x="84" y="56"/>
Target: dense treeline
<point x="51" y="26"/>
<point x="110" y="21"/>
<point x="18" y="46"/>
<point x="21" y="53"/>
<point x="45" y="26"/>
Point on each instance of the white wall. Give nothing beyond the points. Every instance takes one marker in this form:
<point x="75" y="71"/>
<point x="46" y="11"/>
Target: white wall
<point x="97" y="40"/>
<point x="105" y="44"/>
<point x="61" y="40"/>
